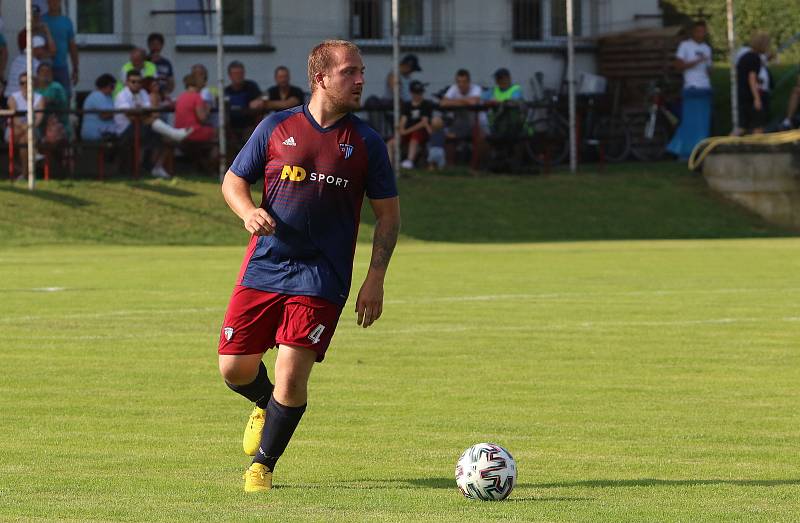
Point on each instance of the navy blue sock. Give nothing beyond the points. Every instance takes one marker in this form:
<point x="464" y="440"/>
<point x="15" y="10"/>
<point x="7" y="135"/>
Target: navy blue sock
<point x="278" y="430"/>
<point x="259" y="392"/>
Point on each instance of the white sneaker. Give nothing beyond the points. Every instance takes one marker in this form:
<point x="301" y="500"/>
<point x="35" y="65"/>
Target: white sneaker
<point x="159" y="172"/>
<point x="407" y="164"/>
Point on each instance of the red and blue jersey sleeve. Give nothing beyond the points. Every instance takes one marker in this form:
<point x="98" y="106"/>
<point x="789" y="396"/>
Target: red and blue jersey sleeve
<point x="251" y="161"/>
<point x="381" y="182"/>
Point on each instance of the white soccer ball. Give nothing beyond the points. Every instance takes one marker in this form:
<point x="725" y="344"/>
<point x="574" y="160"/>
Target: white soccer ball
<point x="487" y="472"/>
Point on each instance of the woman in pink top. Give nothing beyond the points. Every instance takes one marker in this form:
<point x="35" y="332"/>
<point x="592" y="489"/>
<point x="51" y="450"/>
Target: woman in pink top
<point x="192" y="111"/>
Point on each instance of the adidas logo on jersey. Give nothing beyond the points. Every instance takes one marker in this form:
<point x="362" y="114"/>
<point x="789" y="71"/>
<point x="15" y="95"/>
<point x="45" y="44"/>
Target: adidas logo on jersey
<point x="290" y="141"/>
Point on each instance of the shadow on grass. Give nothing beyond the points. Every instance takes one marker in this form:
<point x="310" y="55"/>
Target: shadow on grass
<point x="628" y="202"/>
<point x="166" y="190"/>
<point x="652" y="482"/>
<point x="50" y="196"/>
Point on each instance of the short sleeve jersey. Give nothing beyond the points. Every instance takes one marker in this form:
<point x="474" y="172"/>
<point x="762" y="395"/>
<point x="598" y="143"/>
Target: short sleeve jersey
<point x="314" y="184"/>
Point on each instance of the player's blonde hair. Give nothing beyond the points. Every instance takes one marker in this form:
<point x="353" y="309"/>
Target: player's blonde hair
<point x="321" y="58"/>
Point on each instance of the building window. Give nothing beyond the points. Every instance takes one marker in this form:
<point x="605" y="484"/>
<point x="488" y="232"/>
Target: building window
<point x="98" y="21"/>
<point x="371" y="22"/>
<point x="542" y="21"/>
<point x="242" y="22"/>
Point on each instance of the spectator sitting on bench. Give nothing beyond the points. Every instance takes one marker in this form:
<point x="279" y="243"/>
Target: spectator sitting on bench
<point x="133" y="96"/>
<point x="56" y="101"/>
<point x="97" y="126"/>
<point x="415" y="124"/>
<point x="191" y="111"/>
<point x="18" y="101"/>
<point x="282" y="95"/>
<point x="463" y="93"/>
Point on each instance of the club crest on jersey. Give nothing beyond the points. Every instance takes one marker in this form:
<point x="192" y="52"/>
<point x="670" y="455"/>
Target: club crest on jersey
<point x="347" y="149"/>
<point x="228" y="331"/>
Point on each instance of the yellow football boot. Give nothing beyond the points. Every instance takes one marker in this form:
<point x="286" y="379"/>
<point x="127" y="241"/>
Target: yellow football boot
<point x="252" y="432"/>
<point x="257" y="478"/>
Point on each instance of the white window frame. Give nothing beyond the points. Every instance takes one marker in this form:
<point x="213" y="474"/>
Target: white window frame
<point x="548" y="39"/>
<point x="257" y="38"/>
<point x="99" y="38"/>
<point x="426" y="38"/>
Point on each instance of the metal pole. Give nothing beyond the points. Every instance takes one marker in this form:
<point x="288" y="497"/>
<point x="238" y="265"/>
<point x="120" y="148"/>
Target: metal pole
<point x="223" y="146"/>
<point x="396" y="86"/>
<point x="573" y="146"/>
<point x="732" y="55"/>
<point x="29" y="93"/>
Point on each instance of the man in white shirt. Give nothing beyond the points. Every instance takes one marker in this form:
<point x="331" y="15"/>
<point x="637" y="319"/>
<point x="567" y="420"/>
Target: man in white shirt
<point x="133" y="96"/>
<point x="693" y="58"/>
<point x="463" y="93"/>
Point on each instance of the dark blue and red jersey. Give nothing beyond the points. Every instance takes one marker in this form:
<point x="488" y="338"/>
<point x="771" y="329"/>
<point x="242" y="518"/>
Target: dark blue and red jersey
<point x="314" y="184"/>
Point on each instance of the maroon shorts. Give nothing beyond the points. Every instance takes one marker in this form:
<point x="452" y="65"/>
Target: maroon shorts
<point x="259" y="320"/>
<point x="420" y="136"/>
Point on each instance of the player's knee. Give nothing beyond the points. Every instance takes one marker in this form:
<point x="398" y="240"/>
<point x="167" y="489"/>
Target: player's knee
<point x="237" y="373"/>
<point x="292" y="387"/>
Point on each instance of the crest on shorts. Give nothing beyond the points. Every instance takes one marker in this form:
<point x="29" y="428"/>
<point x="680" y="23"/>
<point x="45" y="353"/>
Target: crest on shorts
<point x="347" y="149"/>
<point x="228" y="332"/>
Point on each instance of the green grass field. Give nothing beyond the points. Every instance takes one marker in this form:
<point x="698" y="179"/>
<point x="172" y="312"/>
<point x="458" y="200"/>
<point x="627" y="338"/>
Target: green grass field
<point x="633" y="380"/>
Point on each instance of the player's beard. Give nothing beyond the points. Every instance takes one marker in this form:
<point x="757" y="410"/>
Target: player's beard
<point x="345" y="102"/>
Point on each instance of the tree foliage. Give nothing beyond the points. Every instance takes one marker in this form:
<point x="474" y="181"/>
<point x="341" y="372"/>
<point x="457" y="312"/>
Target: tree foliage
<point x="779" y="18"/>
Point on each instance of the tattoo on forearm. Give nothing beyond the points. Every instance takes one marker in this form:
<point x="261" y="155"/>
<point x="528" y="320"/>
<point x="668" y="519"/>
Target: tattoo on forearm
<point x="383" y="243"/>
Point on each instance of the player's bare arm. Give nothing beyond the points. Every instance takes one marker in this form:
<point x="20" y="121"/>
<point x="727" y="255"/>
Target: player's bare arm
<point x="256" y="220"/>
<point x="369" y="304"/>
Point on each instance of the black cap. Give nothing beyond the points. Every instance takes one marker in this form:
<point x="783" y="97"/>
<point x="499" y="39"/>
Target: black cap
<point x="502" y="73"/>
<point x="35" y="9"/>
<point x="413" y="61"/>
<point x="416" y="86"/>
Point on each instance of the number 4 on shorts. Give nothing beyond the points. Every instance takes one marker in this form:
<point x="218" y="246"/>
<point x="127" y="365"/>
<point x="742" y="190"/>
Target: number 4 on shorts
<point x="316" y="333"/>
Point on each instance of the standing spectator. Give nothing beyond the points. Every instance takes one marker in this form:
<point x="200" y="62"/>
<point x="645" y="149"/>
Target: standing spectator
<point x="415" y="124"/>
<point x="97" y="125"/>
<point x="754" y="85"/>
<point x="56" y="104"/>
<point x="191" y="111"/>
<point x="408" y="66"/>
<point x="164" y="73"/>
<point x="132" y="97"/>
<point x="39" y="29"/>
<point x="283" y="94"/>
<point x="19" y="64"/>
<point x="694" y="59"/>
<point x="462" y="94"/>
<point x="241" y="96"/>
<point x="64" y="37"/>
<point x="18" y="101"/>
<point x="791" y="109"/>
<point x="139" y="62"/>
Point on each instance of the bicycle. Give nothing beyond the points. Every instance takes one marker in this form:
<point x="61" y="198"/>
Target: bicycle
<point x="652" y="130"/>
<point x="548" y="136"/>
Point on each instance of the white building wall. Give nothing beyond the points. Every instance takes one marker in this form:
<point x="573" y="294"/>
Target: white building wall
<point x="479" y="40"/>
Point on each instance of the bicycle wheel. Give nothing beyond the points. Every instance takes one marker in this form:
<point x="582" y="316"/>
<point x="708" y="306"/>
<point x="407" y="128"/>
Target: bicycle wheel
<point x="644" y="148"/>
<point x="547" y="141"/>
<point x="614" y="136"/>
